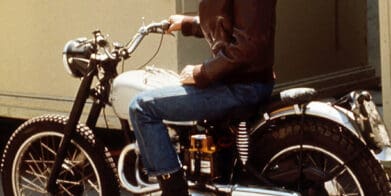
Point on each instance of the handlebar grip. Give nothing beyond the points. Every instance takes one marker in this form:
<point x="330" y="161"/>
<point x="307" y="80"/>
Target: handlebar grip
<point x="165" y="25"/>
<point x="159" y="27"/>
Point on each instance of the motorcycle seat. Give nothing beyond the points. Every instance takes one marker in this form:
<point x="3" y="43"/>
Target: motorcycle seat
<point x="297" y="95"/>
<point x="290" y="97"/>
<point x="279" y="100"/>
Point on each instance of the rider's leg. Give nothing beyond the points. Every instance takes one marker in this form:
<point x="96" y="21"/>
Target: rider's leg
<point x="173" y="184"/>
<point x="183" y="103"/>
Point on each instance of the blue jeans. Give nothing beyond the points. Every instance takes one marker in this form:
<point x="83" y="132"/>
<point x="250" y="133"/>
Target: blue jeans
<point x="184" y="103"/>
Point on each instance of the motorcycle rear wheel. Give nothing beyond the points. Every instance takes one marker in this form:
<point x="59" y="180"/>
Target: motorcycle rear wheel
<point x="314" y="156"/>
<point x="31" y="152"/>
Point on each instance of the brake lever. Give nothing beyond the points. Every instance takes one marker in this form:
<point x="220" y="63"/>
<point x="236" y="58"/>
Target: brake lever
<point x="162" y="28"/>
<point x="161" y="31"/>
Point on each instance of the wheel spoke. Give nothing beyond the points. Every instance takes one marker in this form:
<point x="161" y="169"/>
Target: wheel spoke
<point x="35" y="186"/>
<point x="89" y="179"/>
<point x="37" y="175"/>
<point x="336" y="171"/>
<point x="32" y="189"/>
<point x="39" y="161"/>
<point x="68" y="182"/>
<point x="309" y="156"/>
<point x="318" y="167"/>
<point x="31" y="167"/>
<point x="65" y="189"/>
<point x="37" y="166"/>
<point x="73" y="163"/>
<point x="42" y="157"/>
<point x="325" y="165"/>
<point x="93" y="186"/>
<point x="49" y="149"/>
<point x="74" y="155"/>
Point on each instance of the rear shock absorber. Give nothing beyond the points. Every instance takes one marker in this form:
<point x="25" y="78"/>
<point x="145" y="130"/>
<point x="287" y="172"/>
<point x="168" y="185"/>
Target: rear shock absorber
<point x="242" y="142"/>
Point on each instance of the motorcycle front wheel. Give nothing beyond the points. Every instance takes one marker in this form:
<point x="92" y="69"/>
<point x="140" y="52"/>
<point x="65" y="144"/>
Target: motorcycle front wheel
<point x="31" y="152"/>
<point x="314" y="156"/>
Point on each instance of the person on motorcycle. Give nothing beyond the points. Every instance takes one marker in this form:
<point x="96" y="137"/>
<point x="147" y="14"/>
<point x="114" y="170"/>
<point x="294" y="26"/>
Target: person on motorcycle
<point x="239" y="75"/>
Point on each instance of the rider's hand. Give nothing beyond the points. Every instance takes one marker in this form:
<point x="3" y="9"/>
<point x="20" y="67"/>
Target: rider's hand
<point x="175" y="23"/>
<point x="186" y="76"/>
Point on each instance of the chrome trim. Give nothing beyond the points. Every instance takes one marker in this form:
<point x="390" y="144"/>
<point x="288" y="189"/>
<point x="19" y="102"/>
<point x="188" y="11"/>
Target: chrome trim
<point x="180" y="123"/>
<point x="237" y="190"/>
<point x="385" y="156"/>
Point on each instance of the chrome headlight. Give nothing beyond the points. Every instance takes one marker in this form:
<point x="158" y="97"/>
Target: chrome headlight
<point x="76" y="55"/>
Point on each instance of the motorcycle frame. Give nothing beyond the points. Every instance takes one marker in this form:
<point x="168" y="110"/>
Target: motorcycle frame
<point x="108" y="62"/>
<point x="334" y="113"/>
<point x="82" y="96"/>
<point x="339" y="115"/>
<point x="344" y="117"/>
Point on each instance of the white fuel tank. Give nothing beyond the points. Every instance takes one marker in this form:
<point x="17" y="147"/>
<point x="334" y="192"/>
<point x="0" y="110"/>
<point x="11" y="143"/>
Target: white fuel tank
<point x="127" y="85"/>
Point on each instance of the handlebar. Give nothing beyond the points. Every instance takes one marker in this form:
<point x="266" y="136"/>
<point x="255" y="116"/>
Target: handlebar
<point x="125" y="51"/>
<point x="160" y="27"/>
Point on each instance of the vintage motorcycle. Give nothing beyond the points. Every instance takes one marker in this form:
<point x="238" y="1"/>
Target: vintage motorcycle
<point x="298" y="144"/>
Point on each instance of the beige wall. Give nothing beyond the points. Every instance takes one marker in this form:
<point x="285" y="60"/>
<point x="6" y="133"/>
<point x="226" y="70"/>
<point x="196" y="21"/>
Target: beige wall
<point x="33" y="34"/>
<point x="385" y="43"/>
<point x="32" y="77"/>
<point x="318" y="43"/>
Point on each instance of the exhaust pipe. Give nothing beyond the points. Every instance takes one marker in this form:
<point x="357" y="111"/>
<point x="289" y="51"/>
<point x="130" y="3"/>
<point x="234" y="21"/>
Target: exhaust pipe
<point x="144" y="188"/>
<point x="236" y="190"/>
<point x="233" y="190"/>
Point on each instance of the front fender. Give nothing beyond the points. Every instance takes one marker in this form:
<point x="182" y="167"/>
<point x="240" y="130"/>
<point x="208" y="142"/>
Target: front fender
<point x="334" y="113"/>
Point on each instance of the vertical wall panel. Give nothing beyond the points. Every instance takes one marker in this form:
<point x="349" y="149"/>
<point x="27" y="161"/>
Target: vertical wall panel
<point x="385" y="39"/>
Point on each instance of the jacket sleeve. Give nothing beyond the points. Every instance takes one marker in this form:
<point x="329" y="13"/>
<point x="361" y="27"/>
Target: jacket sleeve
<point x="242" y="51"/>
<point x="191" y="26"/>
<point x="251" y="35"/>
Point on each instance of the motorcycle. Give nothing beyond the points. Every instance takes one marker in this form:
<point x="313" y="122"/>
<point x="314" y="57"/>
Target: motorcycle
<point x="298" y="144"/>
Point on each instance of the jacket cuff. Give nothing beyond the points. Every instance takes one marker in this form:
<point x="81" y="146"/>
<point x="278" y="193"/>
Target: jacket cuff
<point x="200" y="76"/>
<point x="188" y="24"/>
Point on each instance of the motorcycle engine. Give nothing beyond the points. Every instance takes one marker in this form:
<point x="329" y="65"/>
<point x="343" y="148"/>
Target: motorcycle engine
<point x="200" y="157"/>
<point x="207" y="152"/>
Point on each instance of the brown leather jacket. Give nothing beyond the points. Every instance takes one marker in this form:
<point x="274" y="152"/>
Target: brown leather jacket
<point x="241" y="36"/>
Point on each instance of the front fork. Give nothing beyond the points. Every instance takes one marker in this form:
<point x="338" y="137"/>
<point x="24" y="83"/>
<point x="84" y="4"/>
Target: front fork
<point x="70" y="128"/>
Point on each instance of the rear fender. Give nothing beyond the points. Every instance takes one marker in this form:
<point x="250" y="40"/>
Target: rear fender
<point x="325" y="110"/>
